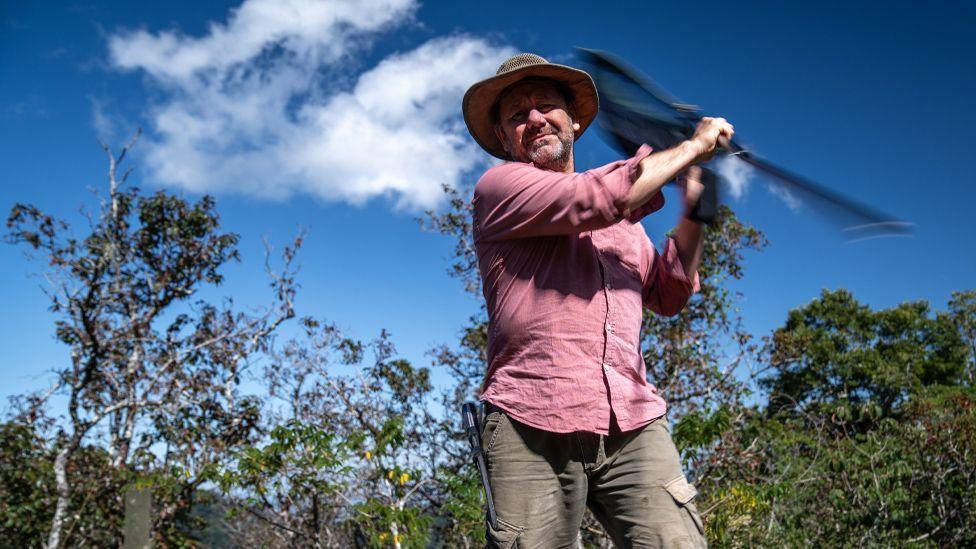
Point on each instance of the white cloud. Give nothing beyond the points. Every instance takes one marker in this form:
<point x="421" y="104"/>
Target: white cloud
<point x="310" y="30"/>
<point x="785" y="194"/>
<point x="736" y="174"/>
<point x="107" y="125"/>
<point x="739" y="176"/>
<point x="256" y="105"/>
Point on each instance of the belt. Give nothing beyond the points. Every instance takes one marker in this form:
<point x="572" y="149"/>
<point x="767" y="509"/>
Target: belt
<point x="490" y="408"/>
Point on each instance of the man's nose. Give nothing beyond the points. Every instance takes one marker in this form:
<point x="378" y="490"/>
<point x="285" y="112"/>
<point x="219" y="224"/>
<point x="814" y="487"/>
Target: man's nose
<point x="536" y="118"/>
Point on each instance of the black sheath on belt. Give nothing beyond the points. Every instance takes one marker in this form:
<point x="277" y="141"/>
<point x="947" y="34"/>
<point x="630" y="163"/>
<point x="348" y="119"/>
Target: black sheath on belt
<point x="470" y="422"/>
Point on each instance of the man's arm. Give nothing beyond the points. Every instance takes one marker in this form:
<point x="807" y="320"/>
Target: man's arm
<point x="688" y="235"/>
<point x="660" y="167"/>
<point x="673" y="276"/>
<point x="519" y="201"/>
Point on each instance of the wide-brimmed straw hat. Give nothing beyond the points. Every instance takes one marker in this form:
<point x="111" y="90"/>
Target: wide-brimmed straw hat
<point x="480" y="99"/>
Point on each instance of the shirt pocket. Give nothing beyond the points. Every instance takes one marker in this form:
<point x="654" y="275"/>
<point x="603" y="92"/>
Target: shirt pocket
<point x="628" y="249"/>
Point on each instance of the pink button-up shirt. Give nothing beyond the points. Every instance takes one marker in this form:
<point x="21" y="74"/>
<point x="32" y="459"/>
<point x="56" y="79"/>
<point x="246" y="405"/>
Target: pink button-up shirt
<point x="565" y="277"/>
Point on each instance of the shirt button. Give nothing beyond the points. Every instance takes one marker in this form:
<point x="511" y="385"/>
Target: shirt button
<point x="609" y="286"/>
<point x="606" y="366"/>
<point x="609" y="327"/>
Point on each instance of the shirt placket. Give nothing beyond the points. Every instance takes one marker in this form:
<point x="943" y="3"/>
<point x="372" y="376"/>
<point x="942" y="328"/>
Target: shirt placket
<point x="608" y="322"/>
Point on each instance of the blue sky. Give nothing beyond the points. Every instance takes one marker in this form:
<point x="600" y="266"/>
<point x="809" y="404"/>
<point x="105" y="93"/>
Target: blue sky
<point x="348" y="124"/>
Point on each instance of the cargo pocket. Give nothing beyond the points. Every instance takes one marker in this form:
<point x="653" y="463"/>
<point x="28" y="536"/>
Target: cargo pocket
<point x="504" y="537"/>
<point x="683" y="493"/>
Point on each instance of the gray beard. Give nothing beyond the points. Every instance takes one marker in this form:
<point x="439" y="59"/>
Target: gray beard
<point x="553" y="158"/>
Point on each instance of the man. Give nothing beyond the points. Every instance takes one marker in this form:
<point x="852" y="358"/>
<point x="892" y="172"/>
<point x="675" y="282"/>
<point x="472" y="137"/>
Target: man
<point x="566" y="268"/>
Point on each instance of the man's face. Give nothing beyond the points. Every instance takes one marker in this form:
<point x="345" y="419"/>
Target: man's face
<point x="535" y="125"/>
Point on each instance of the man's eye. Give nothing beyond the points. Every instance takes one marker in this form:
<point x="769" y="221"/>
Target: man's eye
<point x="517" y="117"/>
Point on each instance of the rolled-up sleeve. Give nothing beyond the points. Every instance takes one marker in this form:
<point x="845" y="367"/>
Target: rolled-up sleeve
<point x="666" y="287"/>
<point x="518" y="200"/>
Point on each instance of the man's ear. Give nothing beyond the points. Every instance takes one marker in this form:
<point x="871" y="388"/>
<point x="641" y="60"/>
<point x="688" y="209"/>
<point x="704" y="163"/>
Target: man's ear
<point x="572" y="117"/>
<point x="502" y="138"/>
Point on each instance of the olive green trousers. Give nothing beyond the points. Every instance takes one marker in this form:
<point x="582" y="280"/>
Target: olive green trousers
<point x="632" y="482"/>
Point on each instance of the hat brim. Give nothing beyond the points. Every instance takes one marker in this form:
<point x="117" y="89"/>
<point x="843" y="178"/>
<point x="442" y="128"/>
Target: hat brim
<point x="481" y="97"/>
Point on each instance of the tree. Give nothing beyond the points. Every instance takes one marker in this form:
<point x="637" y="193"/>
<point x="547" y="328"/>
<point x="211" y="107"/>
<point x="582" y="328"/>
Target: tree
<point x="146" y="366"/>
<point x="838" y="353"/>
<point x="962" y="309"/>
<point x="867" y="437"/>
<point x="27" y="498"/>
<point x="347" y="462"/>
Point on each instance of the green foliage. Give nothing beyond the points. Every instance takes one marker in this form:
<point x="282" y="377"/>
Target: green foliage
<point x="343" y="461"/>
<point x="301" y="458"/>
<point x="839" y="353"/>
<point x="25" y="476"/>
<point x="910" y="481"/>
<point x="464" y="508"/>
<point x="869" y="436"/>
<point x="962" y="311"/>
<point x="27" y="492"/>
<point x="377" y="518"/>
<point x="152" y="382"/>
<point x="696" y="431"/>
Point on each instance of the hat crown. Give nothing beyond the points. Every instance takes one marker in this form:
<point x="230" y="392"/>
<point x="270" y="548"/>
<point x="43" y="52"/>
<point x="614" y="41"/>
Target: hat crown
<point x="519" y="61"/>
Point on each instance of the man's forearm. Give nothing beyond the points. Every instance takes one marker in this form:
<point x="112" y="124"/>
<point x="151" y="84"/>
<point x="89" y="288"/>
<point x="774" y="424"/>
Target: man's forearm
<point x="657" y="169"/>
<point x="688" y="237"/>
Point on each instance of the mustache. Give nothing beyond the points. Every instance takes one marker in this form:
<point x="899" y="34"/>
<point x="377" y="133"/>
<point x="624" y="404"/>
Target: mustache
<point x="548" y="130"/>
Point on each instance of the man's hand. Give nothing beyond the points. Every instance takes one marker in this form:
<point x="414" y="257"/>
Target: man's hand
<point x="662" y="166"/>
<point x="709" y="134"/>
